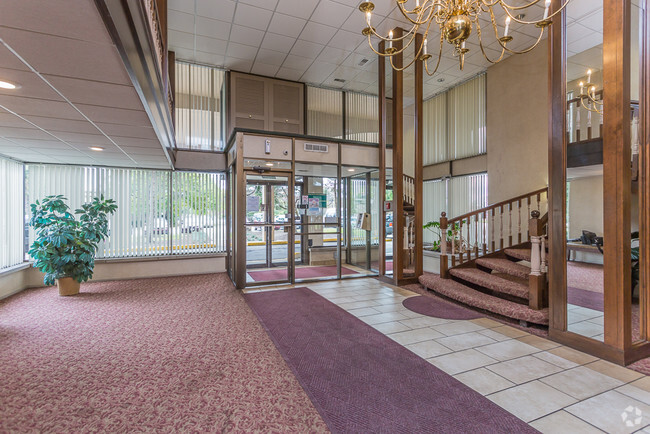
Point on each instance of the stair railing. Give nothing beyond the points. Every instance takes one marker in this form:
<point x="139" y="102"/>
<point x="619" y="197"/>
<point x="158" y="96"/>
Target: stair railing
<point x="408" y="190"/>
<point x="537" y="281"/>
<point x="487" y="230"/>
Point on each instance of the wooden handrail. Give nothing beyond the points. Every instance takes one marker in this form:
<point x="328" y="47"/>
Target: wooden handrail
<point x="497" y="205"/>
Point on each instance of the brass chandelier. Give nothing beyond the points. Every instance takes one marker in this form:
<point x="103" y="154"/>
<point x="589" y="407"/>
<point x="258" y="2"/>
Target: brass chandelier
<point x="593" y="104"/>
<point x="455" y="18"/>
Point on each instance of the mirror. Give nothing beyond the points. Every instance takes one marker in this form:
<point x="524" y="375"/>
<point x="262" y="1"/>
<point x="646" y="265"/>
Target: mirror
<point x="584" y="171"/>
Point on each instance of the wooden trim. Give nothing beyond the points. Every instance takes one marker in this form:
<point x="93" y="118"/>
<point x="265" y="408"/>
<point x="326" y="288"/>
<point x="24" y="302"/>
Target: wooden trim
<point x="644" y="176"/>
<point x="617" y="173"/>
<point x="381" y="67"/>
<point x="398" y="161"/>
<point x="419" y="161"/>
<point x="498" y="204"/>
<point x="557" y="172"/>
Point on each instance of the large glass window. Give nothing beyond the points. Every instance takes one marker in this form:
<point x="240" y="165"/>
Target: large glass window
<point x="200" y="106"/>
<point x="11" y="216"/>
<point x="361" y="117"/>
<point x="324" y="112"/>
<point x="159" y="212"/>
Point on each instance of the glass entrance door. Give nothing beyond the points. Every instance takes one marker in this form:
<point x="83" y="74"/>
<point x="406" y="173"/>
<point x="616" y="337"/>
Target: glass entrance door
<point x="268" y="228"/>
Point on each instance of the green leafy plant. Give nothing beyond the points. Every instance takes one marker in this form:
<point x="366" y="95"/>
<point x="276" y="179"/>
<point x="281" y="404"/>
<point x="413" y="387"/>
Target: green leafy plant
<point x="635" y="260"/>
<point x="65" y="246"/>
<point x="453" y="233"/>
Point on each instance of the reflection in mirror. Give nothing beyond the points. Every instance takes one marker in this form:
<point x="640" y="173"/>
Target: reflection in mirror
<point x="584" y="171"/>
<point x="389" y="224"/>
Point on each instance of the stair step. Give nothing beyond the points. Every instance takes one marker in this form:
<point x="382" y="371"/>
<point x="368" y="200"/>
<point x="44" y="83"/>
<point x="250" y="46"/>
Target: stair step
<point x="503" y="265"/>
<point x="466" y="295"/>
<point x="521" y="254"/>
<point x="491" y="281"/>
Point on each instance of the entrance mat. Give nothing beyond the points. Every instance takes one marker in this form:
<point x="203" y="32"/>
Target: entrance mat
<point x="301" y="273"/>
<point x="361" y="380"/>
<point x="438" y="308"/>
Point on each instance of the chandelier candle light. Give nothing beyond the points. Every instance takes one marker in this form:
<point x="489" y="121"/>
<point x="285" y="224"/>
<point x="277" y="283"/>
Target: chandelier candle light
<point x="592" y="102"/>
<point x="455" y="19"/>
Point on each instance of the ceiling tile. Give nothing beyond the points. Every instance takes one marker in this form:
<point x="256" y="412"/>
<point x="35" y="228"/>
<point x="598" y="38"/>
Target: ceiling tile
<point x="347" y="40"/>
<point x="286" y="25"/>
<point x="128" y="131"/>
<point x="289" y="74"/>
<point x="318" y="33"/>
<point x="97" y="93"/>
<point x="251" y="16"/>
<point x="211" y="28"/>
<point x="222" y="10"/>
<point x="181" y="5"/>
<point x="333" y="55"/>
<point x="180" y="21"/>
<point x="210" y="45"/>
<point x="306" y="49"/>
<point x="271" y="57"/>
<point x="241" y="65"/>
<point x="181" y="39"/>
<point x="276" y="42"/>
<point x="246" y="35"/>
<point x="241" y="51"/>
<point x="331" y="13"/>
<point x="264" y="69"/>
<point x="266" y="4"/>
<point x="297" y="62"/>
<point x="297" y="8"/>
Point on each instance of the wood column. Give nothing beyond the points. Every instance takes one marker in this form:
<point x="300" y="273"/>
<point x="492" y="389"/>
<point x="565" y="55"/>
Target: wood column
<point x="419" y="164"/>
<point x="557" y="175"/>
<point x="398" y="162"/>
<point x="617" y="172"/>
<point x="381" y="67"/>
<point x="644" y="177"/>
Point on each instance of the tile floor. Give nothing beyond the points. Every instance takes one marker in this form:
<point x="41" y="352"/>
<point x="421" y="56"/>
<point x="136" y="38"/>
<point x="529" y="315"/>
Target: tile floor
<point x="586" y="322"/>
<point x="553" y="388"/>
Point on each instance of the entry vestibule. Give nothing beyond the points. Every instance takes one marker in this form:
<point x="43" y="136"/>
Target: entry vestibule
<point x="301" y="209"/>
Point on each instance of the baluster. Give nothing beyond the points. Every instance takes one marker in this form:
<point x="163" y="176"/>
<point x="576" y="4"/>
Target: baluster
<point x="453" y="244"/>
<point x="600" y="131"/>
<point x="528" y="232"/>
<point x="510" y="224"/>
<point x="568" y="122"/>
<point x="543" y="266"/>
<point x="578" y="124"/>
<point x="589" y="120"/>
<point x="535" y="263"/>
<point x="539" y="199"/>
<point x="484" y="230"/>
<point x="519" y="221"/>
<point x="501" y="228"/>
<point x="443" y="246"/>
<point x="460" y="242"/>
<point x="492" y="241"/>
<point x="469" y="245"/>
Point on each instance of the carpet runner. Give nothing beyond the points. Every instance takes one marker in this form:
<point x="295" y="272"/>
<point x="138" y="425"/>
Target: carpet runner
<point x="438" y="308"/>
<point x="362" y="381"/>
<point x="301" y="273"/>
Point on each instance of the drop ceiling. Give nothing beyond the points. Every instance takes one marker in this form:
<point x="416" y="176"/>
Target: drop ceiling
<point x="74" y="90"/>
<point x="318" y="41"/>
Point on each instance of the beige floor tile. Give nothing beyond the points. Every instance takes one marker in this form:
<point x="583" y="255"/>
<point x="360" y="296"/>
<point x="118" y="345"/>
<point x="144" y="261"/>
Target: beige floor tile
<point x="524" y="369"/>
<point x="606" y="411"/>
<point x="390" y="327"/>
<point x="358" y="305"/>
<point x="581" y="382"/>
<point x="465" y="341"/>
<point x="495" y="335"/>
<point x="586" y="328"/>
<point x="642" y="383"/>
<point x="556" y="360"/>
<point x="619" y="372"/>
<point x="341" y="300"/>
<point x="409" y="313"/>
<point x="572" y="355"/>
<point x="483" y="381"/>
<point x="462" y="361"/>
<point x="413" y="336"/>
<point x="428" y="349"/>
<point x="389" y="300"/>
<point x="364" y="311"/>
<point x="458" y="327"/>
<point x="573" y="317"/>
<point x="424" y="321"/>
<point x="393" y="307"/>
<point x="487" y="323"/>
<point x="507" y="350"/>
<point x="537" y="342"/>
<point x="510" y="331"/>
<point x="562" y="422"/>
<point x="532" y="400"/>
<point x="636" y="393"/>
<point x="383" y="317"/>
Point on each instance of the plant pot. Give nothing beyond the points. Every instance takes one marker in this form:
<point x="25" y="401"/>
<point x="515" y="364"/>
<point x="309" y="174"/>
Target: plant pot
<point x="68" y="286"/>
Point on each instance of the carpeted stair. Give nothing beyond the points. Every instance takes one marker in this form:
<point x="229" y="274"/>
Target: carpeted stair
<point x="497" y="284"/>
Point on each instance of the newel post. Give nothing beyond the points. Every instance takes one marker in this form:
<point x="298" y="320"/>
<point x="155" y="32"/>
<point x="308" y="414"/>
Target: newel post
<point x="537" y="288"/>
<point x="444" y="262"/>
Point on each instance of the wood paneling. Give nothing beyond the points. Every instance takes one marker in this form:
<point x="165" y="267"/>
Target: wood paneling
<point x="398" y="161"/>
<point x="419" y="162"/>
<point x="381" y="66"/>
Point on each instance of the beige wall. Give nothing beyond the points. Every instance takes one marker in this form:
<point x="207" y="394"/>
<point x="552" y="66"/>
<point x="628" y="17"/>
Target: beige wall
<point x="517" y="124"/>
<point x="586" y="206"/>
<point x="13" y="282"/>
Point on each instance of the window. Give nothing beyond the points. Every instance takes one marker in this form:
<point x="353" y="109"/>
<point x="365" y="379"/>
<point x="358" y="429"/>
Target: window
<point x="200" y="98"/>
<point x="361" y="117"/>
<point x="324" y="112"/>
<point x="12" y="219"/>
<point x="159" y="212"/>
<point x="454" y="123"/>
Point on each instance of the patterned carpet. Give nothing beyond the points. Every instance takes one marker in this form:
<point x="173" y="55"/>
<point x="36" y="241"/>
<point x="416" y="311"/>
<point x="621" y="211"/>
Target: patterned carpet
<point x="364" y="382"/>
<point x="181" y="354"/>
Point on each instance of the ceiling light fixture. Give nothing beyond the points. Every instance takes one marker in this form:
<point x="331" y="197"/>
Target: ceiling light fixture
<point x="350" y="170"/>
<point x="96" y="148"/>
<point x="269" y="164"/>
<point x="593" y="98"/>
<point x="455" y="19"/>
<point x="8" y="85"/>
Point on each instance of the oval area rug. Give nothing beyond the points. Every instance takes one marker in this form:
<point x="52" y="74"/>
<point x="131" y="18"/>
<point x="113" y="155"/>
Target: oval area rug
<point x="438" y="308"/>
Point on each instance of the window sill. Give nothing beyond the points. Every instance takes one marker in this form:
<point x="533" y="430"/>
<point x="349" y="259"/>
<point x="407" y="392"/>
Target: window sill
<point x="15" y="268"/>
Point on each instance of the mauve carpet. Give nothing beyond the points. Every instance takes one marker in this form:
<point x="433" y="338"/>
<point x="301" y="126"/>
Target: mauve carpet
<point x="180" y="354"/>
<point x="438" y="308"/>
<point x="362" y="381"/>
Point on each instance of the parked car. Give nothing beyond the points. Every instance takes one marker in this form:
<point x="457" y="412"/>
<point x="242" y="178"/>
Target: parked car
<point x="389" y="224"/>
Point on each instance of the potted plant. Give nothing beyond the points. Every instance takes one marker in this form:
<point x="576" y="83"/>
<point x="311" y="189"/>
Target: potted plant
<point x="453" y="233"/>
<point x="65" y="247"/>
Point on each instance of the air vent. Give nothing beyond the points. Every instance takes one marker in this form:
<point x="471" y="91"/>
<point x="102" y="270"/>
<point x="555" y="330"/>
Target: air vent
<point x="314" y="147"/>
<point x="363" y="62"/>
<point x="339" y="80"/>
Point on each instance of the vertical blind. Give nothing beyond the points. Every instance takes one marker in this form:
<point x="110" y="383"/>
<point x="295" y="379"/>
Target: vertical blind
<point x="324" y="112"/>
<point x="361" y="117"/>
<point x="200" y="103"/>
<point x="12" y="218"/>
<point x="455" y="196"/>
<point x="159" y="212"/>
<point x="454" y="122"/>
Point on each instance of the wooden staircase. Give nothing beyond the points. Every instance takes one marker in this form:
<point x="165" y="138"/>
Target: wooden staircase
<point x="497" y="265"/>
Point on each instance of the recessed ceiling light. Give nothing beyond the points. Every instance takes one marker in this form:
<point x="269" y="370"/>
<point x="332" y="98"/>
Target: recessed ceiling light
<point x="363" y="62"/>
<point x="96" y="148"/>
<point x="520" y="16"/>
<point x="440" y="80"/>
<point x="269" y="164"/>
<point x="8" y="85"/>
<point x="350" y="170"/>
<point x="339" y="80"/>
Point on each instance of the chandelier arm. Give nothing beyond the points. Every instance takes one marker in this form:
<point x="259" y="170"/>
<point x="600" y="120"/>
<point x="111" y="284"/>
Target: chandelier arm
<point x="514" y="8"/>
<point x="593" y="110"/>
<point x="480" y="44"/>
<point x="408" y="44"/>
<point x="417" y="21"/>
<point x="525" y="50"/>
<point x="426" y="64"/>
<point x="404" y="36"/>
<point x="508" y="8"/>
